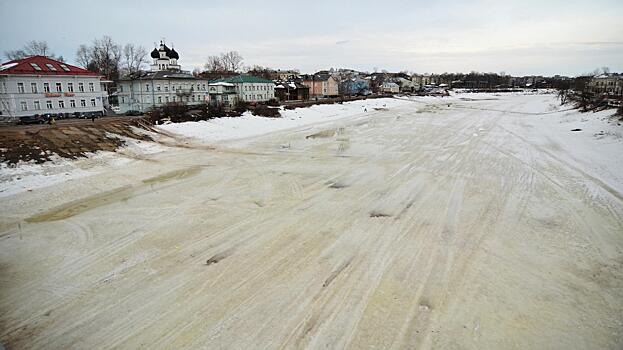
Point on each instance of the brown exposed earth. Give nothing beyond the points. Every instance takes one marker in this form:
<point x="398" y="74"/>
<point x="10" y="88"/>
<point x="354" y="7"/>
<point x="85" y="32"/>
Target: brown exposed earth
<point x="68" y="138"/>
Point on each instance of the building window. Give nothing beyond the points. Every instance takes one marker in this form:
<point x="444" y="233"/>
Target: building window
<point x="59" y="87"/>
<point x="46" y="87"/>
<point x="61" y="104"/>
<point x="159" y="99"/>
<point x="65" y="68"/>
<point x="35" y="66"/>
<point x="70" y="87"/>
<point x="122" y="99"/>
<point x="93" y="102"/>
<point x="20" y="88"/>
<point x="120" y="88"/>
<point x="72" y="103"/>
<point x="81" y="87"/>
<point x="166" y="88"/>
<point x="48" y="104"/>
<point x="83" y="103"/>
<point x="91" y="87"/>
<point x="166" y="99"/>
<point x="146" y="87"/>
<point x="157" y="87"/>
<point x="50" y="67"/>
<point x="33" y="88"/>
<point x="24" y="106"/>
<point x="37" y="105"/>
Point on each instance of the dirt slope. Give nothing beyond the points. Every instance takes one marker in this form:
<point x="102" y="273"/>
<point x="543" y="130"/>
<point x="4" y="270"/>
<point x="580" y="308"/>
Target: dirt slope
<point x="68" y="138"/>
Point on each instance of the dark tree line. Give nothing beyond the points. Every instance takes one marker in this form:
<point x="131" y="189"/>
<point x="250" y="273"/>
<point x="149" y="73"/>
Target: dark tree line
<point x="32" y="48"/>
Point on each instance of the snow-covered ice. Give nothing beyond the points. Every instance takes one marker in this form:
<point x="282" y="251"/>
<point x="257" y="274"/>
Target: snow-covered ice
<point x="249" y="125"/>
<point x="475" y="219"/>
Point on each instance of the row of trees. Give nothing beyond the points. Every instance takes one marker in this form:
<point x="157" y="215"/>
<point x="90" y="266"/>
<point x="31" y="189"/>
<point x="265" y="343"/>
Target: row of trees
<point x="111" y="59"/>
<point x="32" y="48"/>
<point x="227" y="62"/>
<point x="103" y="56"/>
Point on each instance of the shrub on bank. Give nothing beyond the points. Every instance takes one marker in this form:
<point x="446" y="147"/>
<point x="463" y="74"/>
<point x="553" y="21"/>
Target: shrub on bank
<point x="266" y="111"/>
<point x="272" y="102"/>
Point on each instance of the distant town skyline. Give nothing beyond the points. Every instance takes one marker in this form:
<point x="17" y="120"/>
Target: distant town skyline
<point x="516" y="37"/>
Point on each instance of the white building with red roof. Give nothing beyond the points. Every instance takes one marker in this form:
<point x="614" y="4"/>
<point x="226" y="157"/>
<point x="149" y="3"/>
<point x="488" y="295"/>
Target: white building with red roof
<point x="39" y="85"/>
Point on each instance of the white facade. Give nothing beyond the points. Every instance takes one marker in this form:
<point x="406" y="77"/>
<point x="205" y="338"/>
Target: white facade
<point x="222" y="93"/>
<point x="255" y="92"/>
<point x="390" y="88"/>
<point x="27" y="95"/>
<point x="164" y="84"/>
<point x="607" y="84"/>
<point x="143" y="94"/>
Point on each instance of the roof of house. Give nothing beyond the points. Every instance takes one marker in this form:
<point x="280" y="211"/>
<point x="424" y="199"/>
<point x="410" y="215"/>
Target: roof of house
<point x="607" y="75"/>
<point x="170" y="53"/>
<point x="317" y="77"/>
<point x="290" y="85"/>
<point x="42" y="65"/>
<point x="163" y="74"/>
<point x="243" y="78"/>
<point x="221" y="83"/>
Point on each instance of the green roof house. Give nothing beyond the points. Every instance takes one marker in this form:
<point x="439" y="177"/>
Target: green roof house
<point x="250" y="88"/>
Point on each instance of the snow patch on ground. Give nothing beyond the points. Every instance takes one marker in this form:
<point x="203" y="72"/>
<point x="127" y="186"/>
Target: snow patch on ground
<point x="248" y="125"/>
<point x="594" y="149"/>
<point x="28" y="176"/>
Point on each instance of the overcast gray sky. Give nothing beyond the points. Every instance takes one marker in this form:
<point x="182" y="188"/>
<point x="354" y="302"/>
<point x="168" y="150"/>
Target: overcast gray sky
<point x="519" y="37"/>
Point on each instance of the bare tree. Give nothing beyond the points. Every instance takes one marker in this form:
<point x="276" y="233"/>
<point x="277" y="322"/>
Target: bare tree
<point x="214" y="64"/>
<point x="107" y="56"/>
<point x="563" y="95"/>
<point x="104" y="57"/>
<point x="134" y="57"/>
<point x="260" y="71"/>
<point x="232" y="61"/>
<point x="226" y="62"/>
<point x="83" y="56"/>
<point x="32" y="48"/>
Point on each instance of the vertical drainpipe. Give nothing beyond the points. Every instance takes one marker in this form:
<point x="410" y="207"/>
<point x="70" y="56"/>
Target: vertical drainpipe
<point x="153" y="96"/>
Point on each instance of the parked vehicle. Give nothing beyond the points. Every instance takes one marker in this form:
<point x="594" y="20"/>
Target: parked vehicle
<point x="32" y="119"/>
<point x="132" y="113"/>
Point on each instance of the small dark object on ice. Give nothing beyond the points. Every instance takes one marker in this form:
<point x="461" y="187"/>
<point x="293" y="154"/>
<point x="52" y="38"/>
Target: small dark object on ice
<point x="376" y="214"/>
<point x="576" y="129"/>
<point x="216" y="258"/>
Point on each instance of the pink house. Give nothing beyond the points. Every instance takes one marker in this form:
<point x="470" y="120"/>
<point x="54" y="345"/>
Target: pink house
<point x="321" y="84"/>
